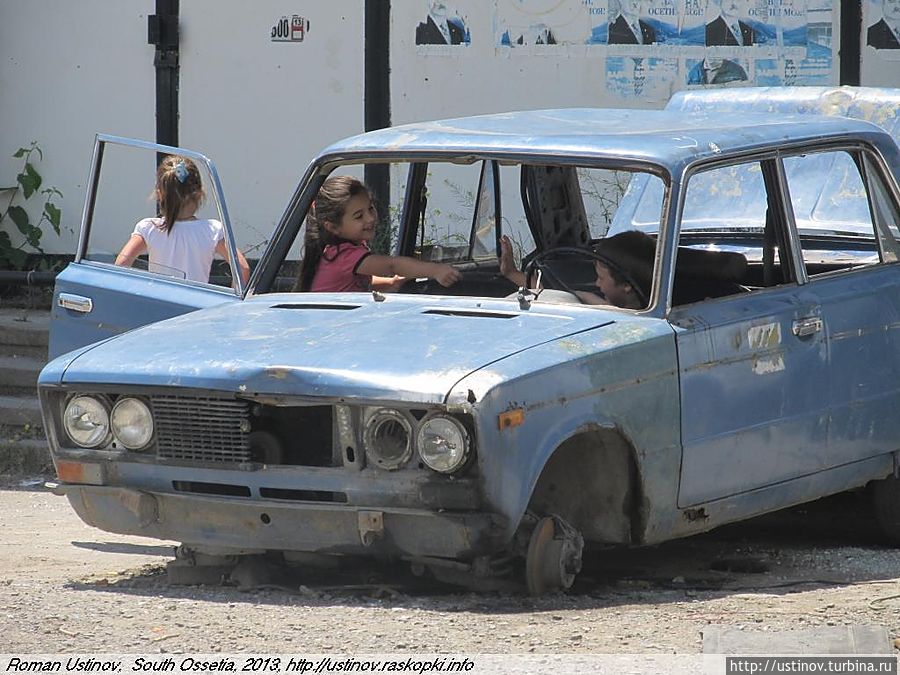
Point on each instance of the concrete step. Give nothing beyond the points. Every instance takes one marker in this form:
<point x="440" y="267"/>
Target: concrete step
<point x="25" y="327"/>
<point x="20" y="371"/>
<point x="25" y="457"/>
<point x="24" y="350"/>
<point x="17" y="411"/>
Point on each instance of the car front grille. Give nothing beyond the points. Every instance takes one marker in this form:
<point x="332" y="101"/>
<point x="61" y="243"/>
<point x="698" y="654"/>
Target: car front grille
<point x="201" y="429"/>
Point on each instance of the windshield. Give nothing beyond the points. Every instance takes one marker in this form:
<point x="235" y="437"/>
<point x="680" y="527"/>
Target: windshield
<point x="462" y="226"/>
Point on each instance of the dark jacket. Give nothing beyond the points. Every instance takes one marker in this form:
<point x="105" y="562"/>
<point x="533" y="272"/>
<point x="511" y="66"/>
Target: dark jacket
<point x="881" y="36"/>
<point x="729" y="71"/>
<point x="620" y="33"/>
<point x="718" y="33"/>
<point x="427" y="33"/>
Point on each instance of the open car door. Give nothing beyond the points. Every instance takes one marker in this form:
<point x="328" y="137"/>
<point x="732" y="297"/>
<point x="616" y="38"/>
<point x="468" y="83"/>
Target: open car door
<point x="93" y="298"/>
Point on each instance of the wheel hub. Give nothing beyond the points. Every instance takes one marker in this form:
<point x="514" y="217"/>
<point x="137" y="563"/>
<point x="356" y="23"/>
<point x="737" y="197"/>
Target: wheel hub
<point x="554" y="556"/>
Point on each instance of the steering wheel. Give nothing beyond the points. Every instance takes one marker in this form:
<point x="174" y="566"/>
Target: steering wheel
<point x="551" y="278"/>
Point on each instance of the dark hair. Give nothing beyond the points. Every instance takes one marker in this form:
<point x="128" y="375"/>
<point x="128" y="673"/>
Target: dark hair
<point x="629" y="258"/>
<point x="177" y="181"/>
<point x="329" y="205"/>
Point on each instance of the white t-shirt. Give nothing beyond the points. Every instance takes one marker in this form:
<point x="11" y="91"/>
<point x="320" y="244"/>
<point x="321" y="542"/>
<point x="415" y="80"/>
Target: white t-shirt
<point x="186" y="252"/>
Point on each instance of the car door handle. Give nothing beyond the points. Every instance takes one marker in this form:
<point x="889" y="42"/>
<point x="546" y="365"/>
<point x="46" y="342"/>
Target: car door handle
<point x="77" y="303"/>
<point x="807" y="326"/>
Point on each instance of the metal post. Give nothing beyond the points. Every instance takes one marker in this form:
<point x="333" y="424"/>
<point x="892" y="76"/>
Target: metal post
<point x="162" y="31"/>
<point x="851" y="51"/>
<point x="377" y="106"/>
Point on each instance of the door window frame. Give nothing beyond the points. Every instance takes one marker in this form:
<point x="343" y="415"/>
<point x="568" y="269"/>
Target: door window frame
<point x="778" y="207"/>
<point x="214" y="190"/>
<point x="873" y="173"/>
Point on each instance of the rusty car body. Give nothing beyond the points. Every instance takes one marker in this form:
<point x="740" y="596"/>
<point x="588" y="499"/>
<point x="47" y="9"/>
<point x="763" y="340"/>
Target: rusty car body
<point x="483" y="430"/>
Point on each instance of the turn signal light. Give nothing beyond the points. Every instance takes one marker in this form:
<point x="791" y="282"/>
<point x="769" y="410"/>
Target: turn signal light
<point x="511" y="418"/>
<point x="79" y="472"/>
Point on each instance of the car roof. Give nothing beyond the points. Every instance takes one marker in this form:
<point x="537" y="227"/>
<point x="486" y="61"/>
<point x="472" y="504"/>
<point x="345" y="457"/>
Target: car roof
<point x="663" y="137"/>
<point x="880" y="105"/>
<point x="813" y="185"/>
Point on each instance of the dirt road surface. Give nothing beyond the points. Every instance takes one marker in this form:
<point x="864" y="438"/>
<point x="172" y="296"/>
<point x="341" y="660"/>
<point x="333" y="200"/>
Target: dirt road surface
<point x="68" y="588"/>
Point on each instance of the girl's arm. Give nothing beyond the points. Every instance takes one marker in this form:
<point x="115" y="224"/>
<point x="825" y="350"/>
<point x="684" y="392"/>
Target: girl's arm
<point x="386" y="284"/>
<point x="388" y="266"/>
<point x="134" y="247"/>
<point x="243" y="266"/>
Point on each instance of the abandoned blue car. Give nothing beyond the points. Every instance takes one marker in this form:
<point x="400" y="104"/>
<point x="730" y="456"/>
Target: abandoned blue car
<point x="703" y="325"/>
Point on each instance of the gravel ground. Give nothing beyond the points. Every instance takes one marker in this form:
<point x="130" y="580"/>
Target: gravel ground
<point x="68" y="588"/>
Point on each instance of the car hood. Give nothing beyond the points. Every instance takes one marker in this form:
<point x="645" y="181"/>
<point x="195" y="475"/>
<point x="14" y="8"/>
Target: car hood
<point x="402" y="347"/>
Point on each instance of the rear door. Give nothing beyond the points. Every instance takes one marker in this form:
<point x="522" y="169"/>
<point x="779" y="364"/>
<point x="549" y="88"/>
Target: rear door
<point x="93" y="298"/>
<point x="753" y="364"/>
<point x="849" y="244"/>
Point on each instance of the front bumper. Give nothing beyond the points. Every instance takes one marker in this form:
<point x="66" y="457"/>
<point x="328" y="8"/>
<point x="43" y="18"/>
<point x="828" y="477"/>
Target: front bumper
<point x="239" y="525"/>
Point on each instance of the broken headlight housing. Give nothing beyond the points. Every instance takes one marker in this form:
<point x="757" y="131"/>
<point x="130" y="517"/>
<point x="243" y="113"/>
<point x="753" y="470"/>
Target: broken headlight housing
<point x="387" y="437"/>
<point x="392" y="438"/>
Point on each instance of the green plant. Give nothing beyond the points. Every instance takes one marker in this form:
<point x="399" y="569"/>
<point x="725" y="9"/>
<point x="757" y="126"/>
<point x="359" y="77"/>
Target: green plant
<point x="28" y="183"/>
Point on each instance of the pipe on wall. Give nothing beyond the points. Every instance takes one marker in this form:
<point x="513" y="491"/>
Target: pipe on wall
<point x="163" y="31"/>
<point x="850" y="54"/>
<point x="27" y="278"/>
<point x="377" y="106"/>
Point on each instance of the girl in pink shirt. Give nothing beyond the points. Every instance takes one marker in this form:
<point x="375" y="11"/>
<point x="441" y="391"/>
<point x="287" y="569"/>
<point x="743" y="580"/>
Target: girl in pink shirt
<point x="339" y="226"/>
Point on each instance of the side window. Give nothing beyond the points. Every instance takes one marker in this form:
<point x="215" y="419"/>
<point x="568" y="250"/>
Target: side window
<point x="483" y="238"/>
<point x="445" y="222"/>
<point x="513" y="221"/>
<point x="729" y="242"/>
<point x="601" y="191"/>
<point x="886" y="214"/>
<point x="126" y="195"/>
<point x="841" y="225"/>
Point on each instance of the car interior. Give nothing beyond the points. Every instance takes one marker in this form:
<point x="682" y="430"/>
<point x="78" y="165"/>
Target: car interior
<point x="557" y="215"/>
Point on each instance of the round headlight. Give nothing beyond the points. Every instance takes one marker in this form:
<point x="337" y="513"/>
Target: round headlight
<point x="387" y="439"/>
<point x="132" y="423"/>
<point x="86" y="421"/>
<point x="443" y="444"/>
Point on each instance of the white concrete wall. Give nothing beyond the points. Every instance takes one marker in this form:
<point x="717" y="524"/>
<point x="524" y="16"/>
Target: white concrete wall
<point x="261" y="108"/>
<point x="492" y="72"/>
<point x="67" y="71"/>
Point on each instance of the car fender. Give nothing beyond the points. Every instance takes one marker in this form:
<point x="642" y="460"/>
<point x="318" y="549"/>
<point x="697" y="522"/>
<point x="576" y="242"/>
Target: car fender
<point x="621" y="381"/>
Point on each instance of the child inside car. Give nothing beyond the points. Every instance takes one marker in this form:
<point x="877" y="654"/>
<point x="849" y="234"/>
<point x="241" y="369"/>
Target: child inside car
<point x="339" y="226"/>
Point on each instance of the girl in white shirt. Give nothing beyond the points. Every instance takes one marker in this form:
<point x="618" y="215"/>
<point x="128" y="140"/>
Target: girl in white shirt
<point x="177" y="242"/>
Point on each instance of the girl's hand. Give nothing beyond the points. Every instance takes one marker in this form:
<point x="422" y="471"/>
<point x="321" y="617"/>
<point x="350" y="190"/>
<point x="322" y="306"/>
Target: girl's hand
<point x="446" y="275"/>
<point x="397" y="281"/>
<point x="387" y="284"/>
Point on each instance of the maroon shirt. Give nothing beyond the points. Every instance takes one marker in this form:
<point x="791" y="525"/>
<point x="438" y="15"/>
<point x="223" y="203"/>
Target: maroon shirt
<point x="337" y="269"/>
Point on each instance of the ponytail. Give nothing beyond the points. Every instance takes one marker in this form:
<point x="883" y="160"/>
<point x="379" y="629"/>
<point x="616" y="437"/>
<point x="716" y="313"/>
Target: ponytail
<point x="177" y="181"/>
